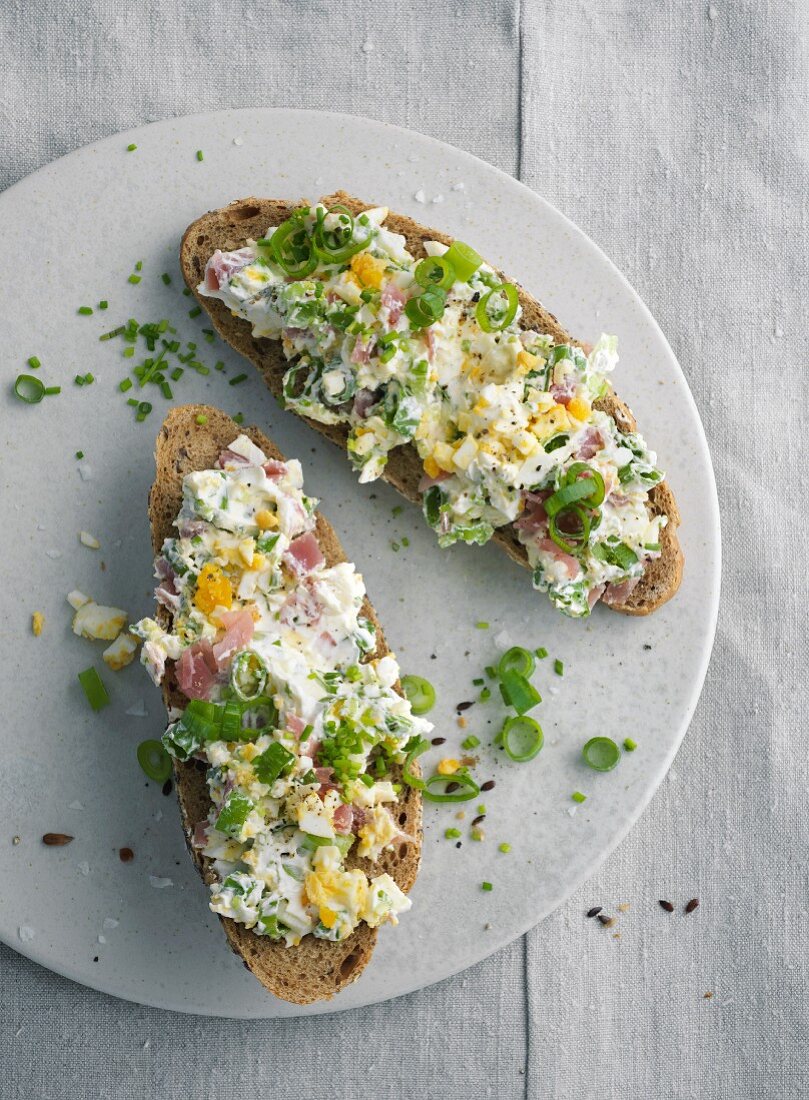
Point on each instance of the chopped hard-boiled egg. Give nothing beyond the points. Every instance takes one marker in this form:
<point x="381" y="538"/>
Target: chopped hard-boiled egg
<point x="120" y="653"/>
<point x="96" y="621"/>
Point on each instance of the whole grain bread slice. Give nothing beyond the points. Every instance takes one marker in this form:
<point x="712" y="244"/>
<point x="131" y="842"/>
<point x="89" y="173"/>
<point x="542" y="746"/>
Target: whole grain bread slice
<point x="316" y="969"/>
<point x="229" y="227"/>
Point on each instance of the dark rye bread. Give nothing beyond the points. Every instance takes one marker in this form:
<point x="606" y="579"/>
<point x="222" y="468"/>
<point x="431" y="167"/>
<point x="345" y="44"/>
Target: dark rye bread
<point x="316" y="969"/>
<point x="229" y="227"/>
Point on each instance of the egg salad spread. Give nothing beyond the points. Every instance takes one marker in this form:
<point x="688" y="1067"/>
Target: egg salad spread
<point x="298" y="728"/>
<point x="431" y="353"/>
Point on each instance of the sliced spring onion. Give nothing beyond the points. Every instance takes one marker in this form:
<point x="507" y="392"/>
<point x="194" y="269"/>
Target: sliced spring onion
<point x="464" y="259"/>
<point x="336" y="244"/>
<point x="541" y="653"/>
<point x="51" y="390"/>
<point x="601" y="754"/>
<point x="435" y="271"/>
<point x="154" y="760"/>
<point x="469" y="788"/>
<point x="29" y="388"/>
<point x="34" y="363"/>
<point x="274" y="761"/>
<point x="577" y="796"/>
<point x="415" y="747"/>
<point x="93" y="687"/>
<point x="290" y="247"/>
<point x="487" y="886"/>
<point x="248" y="675"/>
<point x="341" y="842"/>
<point x="518" y="692"/>
<point x="571" y="539"/>
<point x="497" y="322"/>
<point x="233" y="814"/>
<point x="559" y="667"/>
<point x="567" y="495"/>
<point x="522" y="738"/>
<point x="581" y="470"/>
<point x="200" y="155"/>
<point x="427" y="308"/>
<point x="420" y="693"/>
<point x="518" y="660"/>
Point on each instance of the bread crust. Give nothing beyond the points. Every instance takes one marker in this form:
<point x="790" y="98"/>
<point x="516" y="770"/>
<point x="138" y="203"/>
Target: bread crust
<point x="316" y="969"/>
<point x="230" y="226"/>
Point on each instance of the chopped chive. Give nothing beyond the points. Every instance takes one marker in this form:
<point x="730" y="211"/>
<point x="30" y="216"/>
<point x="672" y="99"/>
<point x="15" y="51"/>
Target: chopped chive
<point x="238" y="418"/>
<point x="79" y="380"/>
<point x="165" y="389"/>
<point x="452" y="834"/>
<point x="134" y="279"/>
<point x="487" y="886"/>
<point x="133" y="401"/>
<point x="394" y="547"/>
<point x="485" y="693"/>
<point x="201" y="418"/>
<point x="49" y="391"/>
<point x="139" y="265"/>
<point x="88" y="378"/>
<point x="577" y="796"/>
<point x="131" y="148"/>
<point x="186" y="292"/>
<point x="558" y="667"/>
<point x="478" y="681"/>
<point x="504" y="848"/>
<point x="195" y="312"/>
<point x="405" y="540"/>
<point x="235" y="381"/>
<point x="219" y="365"/>
<point x="481" y="807"/>
<point x="79" y="454"/>
<point x="482" y="625"/>
<point x="85" y="311"/>
<point x="470" y="742"/>
<point x="128" y="353"/>
<point x="542" y="653"/>
<point x="177" y="374"/>
<point x="103" y="304"/>
<point x="396" y="510"/>
<point x="34" y="362"/>
<point x="490" y="672"/>
<point x="199" y="154"/>
<point x="630" y="745"/>
<point x="200" y="368"/>
<point x="166" y="278"/>
<point x="115" y="332"/>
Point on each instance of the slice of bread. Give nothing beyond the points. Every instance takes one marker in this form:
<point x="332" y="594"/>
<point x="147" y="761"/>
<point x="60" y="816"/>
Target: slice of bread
<point x="315" y="969"/>
<point x="229" y="227"/>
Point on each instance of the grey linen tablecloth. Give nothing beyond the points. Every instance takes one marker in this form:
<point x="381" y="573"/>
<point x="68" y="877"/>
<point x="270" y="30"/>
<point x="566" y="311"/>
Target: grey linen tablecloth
<point x="675" y="133"/>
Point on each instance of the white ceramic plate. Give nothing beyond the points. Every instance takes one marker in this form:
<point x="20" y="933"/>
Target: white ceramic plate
<point x="72" y="235"/>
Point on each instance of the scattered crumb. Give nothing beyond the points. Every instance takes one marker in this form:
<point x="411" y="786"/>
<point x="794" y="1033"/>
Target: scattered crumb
<point x="623" y="907"/>
<point x="707" y="996"/>
<point x="438" y="198"/>
<point x="461" y="814"/>
<point x="616" y="935"/>
<point x="85" y="472"/>
<point x="26" y="933"/>
<point x="462" y="722"/>
<point x="15" y="840"/>
<point x="159" y="883"/>
<point x="102" y="939"/>
<point x="86" y="539"/>
<point x="76" y="805"/>
<point x="137" y="710"/>
<point x="420" y="196"/>
<point x="83" y="868"/>
<point x="487" y="926"/>
<point x="459" y="186"/>
<point x="110" y="922"/>
<point x="367" y="46"/>
<point x="37" y="622"/>
<point x="53" y="554"/>
<point x="238" y="141"/>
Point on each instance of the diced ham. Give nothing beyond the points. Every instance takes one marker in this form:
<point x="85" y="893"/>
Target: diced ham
<point x="361" y="351"/>
<point x="304" y="553"/>
<point x="190" y="528"/>
<point x="222" y="266"/>
<point x="274" y="468"/>
<point x="327" y="639"/>
<point x="302" y="607"/>
<point x="563" y="390"/>
<point x="230" y="458"/>
<point x="594" y="595"/>
<point x="616" y="595"/>
<point x="200" y="838"/>
<point x="343" y="818"/>
<point x="534" y="518"/>
<point x="196" y="670"/>
<point x="392" y="299"/>
<point x="295" y="724"/>
<point x="166" y="592"/>
<point x="323" y="774"/>
<point x="591" y="444"/>
<point x="569" y="562"/>
<point x="292" y="333"/>
<point x="360" y="816"/>
<point x="427" y="482"/>
<point x="239" y="628"/>
<point x="364" y="400"/>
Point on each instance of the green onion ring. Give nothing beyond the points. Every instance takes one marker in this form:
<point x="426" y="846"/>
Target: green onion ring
<point x="518" y="692"/>
<point x="482" y="311"/>
<point x="472" y="790"/>
<point x="528" y="731"/>
<point x="296" y="258"/>
<point x="464" y="259"/>
<point x="420" y="693"/>
<point x="517" y="659"/>
<point x="417" y="747"/>
<point x="154" y="760"/>
<point x="580" y="470"/>
<point x="435" y="271"/>
<point x="29" y="388"/>
<point x="579" y="490"/>
<point x="241" y="669"/>
<point x="561" y="537"/>
<point x="601" y="754"/>
<point x="345" y="246"/>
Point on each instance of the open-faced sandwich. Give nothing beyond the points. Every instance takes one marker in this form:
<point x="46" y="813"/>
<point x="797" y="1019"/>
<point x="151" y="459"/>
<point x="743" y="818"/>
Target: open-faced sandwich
<point x="287" y="725"/>
<point x="436" y="373"/>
